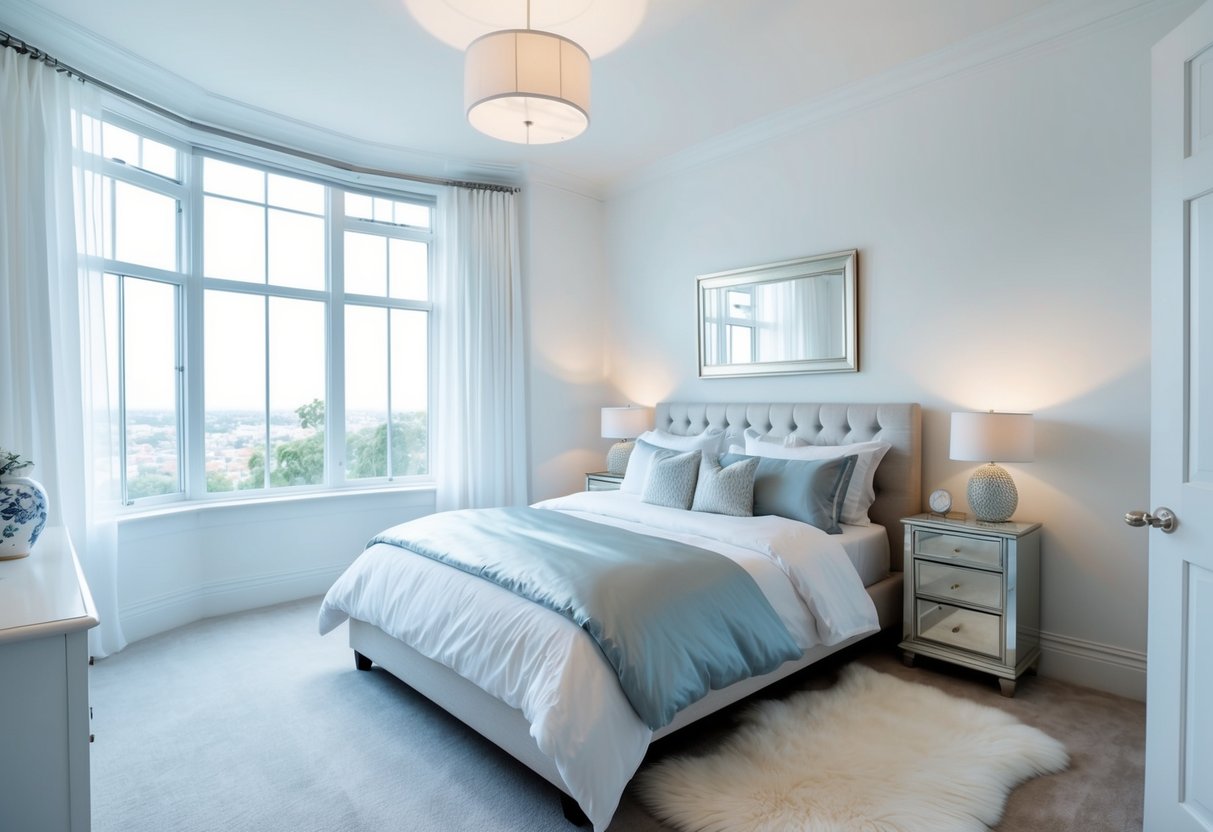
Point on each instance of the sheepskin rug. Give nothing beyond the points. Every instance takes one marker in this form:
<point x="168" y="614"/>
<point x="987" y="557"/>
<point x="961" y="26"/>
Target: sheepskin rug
<point x="872" y="753"/>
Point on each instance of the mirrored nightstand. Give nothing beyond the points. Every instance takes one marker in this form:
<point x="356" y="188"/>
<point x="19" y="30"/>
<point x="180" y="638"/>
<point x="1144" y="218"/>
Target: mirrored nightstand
<point x="972" y="595"/>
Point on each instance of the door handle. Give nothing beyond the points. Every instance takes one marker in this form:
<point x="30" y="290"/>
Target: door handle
<point x="1162" y="518"/>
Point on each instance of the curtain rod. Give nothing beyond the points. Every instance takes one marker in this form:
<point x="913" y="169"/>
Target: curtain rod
<point x="22" y="48"/>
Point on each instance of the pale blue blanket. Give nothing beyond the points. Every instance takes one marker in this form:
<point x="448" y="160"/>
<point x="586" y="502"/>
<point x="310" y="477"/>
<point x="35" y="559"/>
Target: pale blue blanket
<point x="673" y="620"/>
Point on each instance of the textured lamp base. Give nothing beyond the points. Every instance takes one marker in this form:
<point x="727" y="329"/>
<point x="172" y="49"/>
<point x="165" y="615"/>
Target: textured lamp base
<point x="617" y="457"/>
<point x="992" y="494"/>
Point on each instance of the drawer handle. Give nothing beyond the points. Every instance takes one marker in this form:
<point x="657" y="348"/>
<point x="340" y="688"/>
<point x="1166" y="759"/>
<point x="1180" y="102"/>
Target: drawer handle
<point x="956" y="629"/>
<point x="954" y="587"/>
<point x="956" y="551"/>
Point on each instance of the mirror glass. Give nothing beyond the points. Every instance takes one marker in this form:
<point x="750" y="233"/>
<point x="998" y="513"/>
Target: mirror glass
<point x="792" y="317"/>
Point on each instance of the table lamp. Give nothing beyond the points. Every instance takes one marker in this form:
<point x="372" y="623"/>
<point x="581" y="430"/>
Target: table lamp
<point x="992" y="437"/>
<point x="625" y="424"/>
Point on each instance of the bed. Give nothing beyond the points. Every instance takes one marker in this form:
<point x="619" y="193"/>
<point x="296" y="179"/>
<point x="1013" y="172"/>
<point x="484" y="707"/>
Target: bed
<point x="555" y="705"/>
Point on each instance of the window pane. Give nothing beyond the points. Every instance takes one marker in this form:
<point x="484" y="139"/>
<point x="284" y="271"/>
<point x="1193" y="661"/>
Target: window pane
<point x="159" y="158"/>
<point x="233" y="180"/>
<point x="145" y="227"/>
<point x="296" y="194"/>
<point x="296" y="250"/>
<point x="410" y="392"/>
<point x="119" y="144"/>
<point x="359" y="206"/>
<point x="410" y="213"/>
<point x="234" y="338"/>
<point x="150" y="354"/>
<point x="297" y="349"/>
<point x="110" y="418"/>
<point x="365" y="264"/>
<point x="741" y="304"/>
<point x="740" y="341"/>
<point x="107" y="217"/>
<point x="233" y="240"/>
<point x="89" y="134"/>
<point x="366" y="401"/>
<point x="409" y="269"/>
<point x="384" y="210"/>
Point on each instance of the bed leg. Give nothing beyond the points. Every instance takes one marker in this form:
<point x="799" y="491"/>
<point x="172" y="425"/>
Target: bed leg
<point x="572" y="812"/>
<point x="361" y="662"/>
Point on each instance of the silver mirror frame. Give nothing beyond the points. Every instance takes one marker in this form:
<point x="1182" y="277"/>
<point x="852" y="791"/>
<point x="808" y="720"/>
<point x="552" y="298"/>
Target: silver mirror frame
<point x="844" y="261"/>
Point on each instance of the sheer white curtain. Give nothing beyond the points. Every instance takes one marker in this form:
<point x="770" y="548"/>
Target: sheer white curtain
<point x="53" y="386"/>
<point x="480" y="416"/>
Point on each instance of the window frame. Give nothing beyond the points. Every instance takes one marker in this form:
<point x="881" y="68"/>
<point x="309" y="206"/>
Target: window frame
<point x="191" y="285"/>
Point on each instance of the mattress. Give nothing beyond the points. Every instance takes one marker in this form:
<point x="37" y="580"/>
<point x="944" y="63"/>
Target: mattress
<point x="868" y="549"/>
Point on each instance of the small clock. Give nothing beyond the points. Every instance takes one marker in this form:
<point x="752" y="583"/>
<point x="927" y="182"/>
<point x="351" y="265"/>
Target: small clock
<point x="940" y="501"/>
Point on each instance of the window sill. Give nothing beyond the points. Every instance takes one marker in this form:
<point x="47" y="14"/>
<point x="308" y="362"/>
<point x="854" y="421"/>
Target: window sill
<point x="410" y="495"/>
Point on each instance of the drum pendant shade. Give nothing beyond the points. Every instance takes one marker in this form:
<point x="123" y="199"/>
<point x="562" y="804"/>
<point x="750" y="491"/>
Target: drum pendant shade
<point x="526" y="86"/>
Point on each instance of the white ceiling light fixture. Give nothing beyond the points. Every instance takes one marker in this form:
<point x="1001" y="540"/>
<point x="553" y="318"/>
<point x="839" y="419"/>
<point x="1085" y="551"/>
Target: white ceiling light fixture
<point x="527" y="86"/>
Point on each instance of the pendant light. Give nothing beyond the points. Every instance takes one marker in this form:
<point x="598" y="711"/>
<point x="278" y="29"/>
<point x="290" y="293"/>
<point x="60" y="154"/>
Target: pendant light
<point x="527" y="86"/>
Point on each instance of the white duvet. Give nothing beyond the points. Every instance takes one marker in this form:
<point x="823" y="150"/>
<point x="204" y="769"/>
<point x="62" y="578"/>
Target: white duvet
<point x="544" y="665"/>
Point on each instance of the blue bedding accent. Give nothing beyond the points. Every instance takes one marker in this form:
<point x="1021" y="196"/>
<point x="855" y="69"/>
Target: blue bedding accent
<point x="673" y="620"/>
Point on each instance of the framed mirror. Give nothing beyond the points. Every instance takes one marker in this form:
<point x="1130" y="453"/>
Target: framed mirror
<point x="798" y="316"/>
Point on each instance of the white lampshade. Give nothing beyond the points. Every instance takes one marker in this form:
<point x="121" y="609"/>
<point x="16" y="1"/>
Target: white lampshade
<point x="993" y="437"/>
<point x="625" y="422"/>
<point x="525" y="86"/>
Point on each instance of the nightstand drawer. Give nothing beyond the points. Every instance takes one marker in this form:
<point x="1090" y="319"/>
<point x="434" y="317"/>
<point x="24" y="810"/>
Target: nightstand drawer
<point x="977" y="632"/>
<point x="603" y="481"/>
<point x="954" y="583"/>
<point x="979" y="551"/>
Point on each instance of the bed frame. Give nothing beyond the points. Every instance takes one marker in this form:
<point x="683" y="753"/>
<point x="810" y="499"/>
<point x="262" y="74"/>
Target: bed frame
<point x="898" y="494"/>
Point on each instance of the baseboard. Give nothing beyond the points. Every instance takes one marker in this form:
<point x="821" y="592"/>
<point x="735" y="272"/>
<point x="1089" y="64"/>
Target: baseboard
<point x="1101" y="666"/>
<point x="174" y="609"/>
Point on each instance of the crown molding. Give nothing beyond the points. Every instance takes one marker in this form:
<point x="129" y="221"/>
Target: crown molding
<point x="144" y="79"/>
<point x="538" y="174"/>
<point x="1042" y="28"/>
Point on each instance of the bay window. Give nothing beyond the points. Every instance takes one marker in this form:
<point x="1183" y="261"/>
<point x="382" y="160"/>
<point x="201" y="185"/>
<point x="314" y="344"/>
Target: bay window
<point x="267" y="330"/>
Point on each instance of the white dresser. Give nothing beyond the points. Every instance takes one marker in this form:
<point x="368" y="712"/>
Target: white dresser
<point x="45" y="615"/>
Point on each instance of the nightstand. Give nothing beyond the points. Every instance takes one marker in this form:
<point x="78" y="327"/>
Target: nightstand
<point x="972" y="595"/>
<point x="602" y="481"/>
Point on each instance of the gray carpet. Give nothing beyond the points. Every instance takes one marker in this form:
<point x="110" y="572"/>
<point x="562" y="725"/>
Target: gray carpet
<point x="253" y="722"/>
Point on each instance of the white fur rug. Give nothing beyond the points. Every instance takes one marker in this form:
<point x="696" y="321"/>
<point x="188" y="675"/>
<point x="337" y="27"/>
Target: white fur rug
<point x="872" y="753"/>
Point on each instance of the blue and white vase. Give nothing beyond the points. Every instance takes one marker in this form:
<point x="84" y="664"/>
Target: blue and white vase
<point x="22" y="515"/>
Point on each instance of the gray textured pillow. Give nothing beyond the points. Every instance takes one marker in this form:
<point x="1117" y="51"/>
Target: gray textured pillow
<point x="808" y="490"/>
<point x="726" y="490"/>
<point x="671" y="479"/>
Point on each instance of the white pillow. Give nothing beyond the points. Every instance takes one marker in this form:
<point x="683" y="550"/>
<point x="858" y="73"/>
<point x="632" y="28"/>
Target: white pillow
<point x="860" y="493"/>
<point x="789" y="441"/>
<point x="650" y="441"/>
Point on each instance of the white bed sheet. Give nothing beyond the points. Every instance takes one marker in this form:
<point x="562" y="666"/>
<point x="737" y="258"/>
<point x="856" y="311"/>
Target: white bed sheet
<point x="541" y="663"/>
<point x="868" y="549"/>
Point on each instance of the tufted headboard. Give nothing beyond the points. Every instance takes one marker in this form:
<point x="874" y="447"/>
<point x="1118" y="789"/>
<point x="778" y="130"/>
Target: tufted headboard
<point x="898" y="479"/>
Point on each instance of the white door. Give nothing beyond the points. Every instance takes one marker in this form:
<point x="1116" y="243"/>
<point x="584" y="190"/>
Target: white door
<point x="1179" y="689"/>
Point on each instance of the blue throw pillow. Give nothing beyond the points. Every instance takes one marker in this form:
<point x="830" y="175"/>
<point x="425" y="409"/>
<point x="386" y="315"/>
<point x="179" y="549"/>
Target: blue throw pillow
<point x="808" y="490"/>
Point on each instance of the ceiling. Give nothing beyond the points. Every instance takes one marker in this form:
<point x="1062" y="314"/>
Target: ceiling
<point x="367" y="70"/>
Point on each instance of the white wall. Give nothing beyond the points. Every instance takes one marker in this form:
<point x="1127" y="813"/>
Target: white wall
<point x="184" y="564"/>
<point x="566" y="299"/>
<point x="1002" y="220"/>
